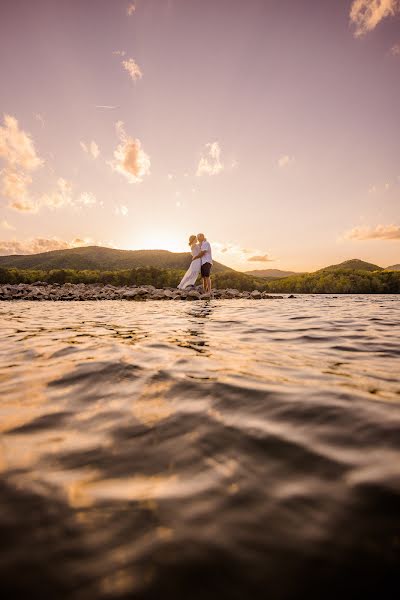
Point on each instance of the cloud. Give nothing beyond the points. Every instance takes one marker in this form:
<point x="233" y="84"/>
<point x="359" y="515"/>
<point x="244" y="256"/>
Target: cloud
<point x="210" y="161"/>
<point x="39" y="244"/>
<point x="106" y="106"/>
<point x="236" y="256"/>
<point x="260" y="258"/>
<point x="40" y="118"/>
<point x="17" y="147"/>
<point x="121" y="210"/>
<point x="62" y="196"/>
<point x="91" y="149"/>
<point x="14" y="185"/>
<point x="6" y="225"/>
<point x="18" y="152"/>
<point x="380" y="232"/>
<point x="86" y="199"/>
<point x="131" y="9"/>
<point x="365" y="15"/>
<point x="130" y="160"/>
<point x="119" y="52"/>
<point x="285" y="161"/>
<point x="395" y="50"/>
<point x="133" y="69"/>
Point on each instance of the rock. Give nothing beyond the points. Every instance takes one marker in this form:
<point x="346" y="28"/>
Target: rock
<point x="266" y="296"/>
<point x="231" y="293"/>
<point x="193" y="295"/>
<point x="256" y="295"/>
<point x="93" y="292"/>
<point x="129" y="295"/>
<point x="291" y="296"/>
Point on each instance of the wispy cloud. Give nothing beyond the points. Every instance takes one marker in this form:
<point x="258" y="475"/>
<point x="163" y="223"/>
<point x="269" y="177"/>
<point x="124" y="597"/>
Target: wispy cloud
<point x="232" y="253"/>
<point x="86" y="199"/>
<point x="380" y="232"/>
<point x="17" y="147"/>
<point x="121" y="210"/>
<point x="210" y="161"/>
<point x="395" y="49"/>
<point x="260" y="258"/>
<point x="130" y="160"/>
<point x="18" y="151"/>
<point x="131" y="9"/>
<point x="285" y="160"/>
<point x="133" y="69"/>
<point x="106" y="106"/>
<point x="40" y="244"/>
<point x="39" y="117"/>
<point x="6" y="225"/>
<point x="91" y="148"/>
<point x="119" y="52"/>
<point x="365" y="15"/>
<point x="21" y="160"/>
<point x="15" y="186"/>
<point x="62" y="196"/>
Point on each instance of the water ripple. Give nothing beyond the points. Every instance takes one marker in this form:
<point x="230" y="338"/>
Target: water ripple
<point x="228" y="449"/>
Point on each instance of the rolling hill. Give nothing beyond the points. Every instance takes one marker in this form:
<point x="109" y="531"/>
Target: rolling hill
<point x="354" y="264"/>
<point x="393" y="268"/>
<point x="271" y="273"/>
<point x="102" y="259"/>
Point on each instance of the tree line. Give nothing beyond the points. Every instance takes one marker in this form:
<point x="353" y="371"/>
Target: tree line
<point x="159" y="278"/>
<point x="341" y="281"/>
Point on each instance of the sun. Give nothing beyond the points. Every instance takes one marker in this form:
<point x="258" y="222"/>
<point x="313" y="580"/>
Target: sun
<point x="159" y="240"/>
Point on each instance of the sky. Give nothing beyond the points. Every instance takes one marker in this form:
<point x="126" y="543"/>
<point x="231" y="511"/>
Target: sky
<point x="270" y="125"/>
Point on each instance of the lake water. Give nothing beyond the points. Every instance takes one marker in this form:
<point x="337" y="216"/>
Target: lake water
<point x="228" y="449"/>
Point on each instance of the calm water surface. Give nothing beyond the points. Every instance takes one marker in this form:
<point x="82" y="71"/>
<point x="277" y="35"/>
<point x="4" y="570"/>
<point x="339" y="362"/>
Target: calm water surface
<point x="227" y="449"/>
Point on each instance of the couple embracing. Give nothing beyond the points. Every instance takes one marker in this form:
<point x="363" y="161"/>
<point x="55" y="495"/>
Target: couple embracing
<point x="201" y="263"/>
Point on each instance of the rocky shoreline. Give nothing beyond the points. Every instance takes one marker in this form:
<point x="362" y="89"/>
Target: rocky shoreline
<point x="69" y="291"/>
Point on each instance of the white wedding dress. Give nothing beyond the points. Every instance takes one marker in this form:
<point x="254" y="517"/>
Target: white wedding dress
<point x="193" y="271"/>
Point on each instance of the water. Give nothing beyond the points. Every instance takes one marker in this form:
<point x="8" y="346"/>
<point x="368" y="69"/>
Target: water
<point x="227" y="449"/>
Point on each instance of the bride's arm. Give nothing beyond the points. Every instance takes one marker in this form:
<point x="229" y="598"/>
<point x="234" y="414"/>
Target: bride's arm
<point x="200" y="254"/>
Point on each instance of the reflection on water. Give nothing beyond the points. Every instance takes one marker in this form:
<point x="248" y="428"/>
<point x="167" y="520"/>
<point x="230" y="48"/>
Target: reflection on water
<point x="193" y="336"/>
<point x="230" y="449"/>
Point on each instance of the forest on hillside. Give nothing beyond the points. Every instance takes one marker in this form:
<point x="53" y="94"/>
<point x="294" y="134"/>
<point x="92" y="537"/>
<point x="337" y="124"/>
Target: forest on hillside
<point x="322" y="282"/>
<point x="159" y="278"/>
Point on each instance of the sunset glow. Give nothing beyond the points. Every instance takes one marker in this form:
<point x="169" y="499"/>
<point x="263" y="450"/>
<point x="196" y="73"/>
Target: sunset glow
<point x="270" y="126"/>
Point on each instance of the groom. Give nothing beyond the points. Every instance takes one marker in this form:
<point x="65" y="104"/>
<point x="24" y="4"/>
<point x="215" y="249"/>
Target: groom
<point x="206" y="262"/>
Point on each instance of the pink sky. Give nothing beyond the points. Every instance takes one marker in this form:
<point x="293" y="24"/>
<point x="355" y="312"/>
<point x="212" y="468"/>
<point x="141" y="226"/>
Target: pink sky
<point x="272" y="126"/>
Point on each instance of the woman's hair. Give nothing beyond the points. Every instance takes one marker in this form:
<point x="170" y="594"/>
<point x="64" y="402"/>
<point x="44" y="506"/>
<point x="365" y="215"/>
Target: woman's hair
<point x="192" y="239"/>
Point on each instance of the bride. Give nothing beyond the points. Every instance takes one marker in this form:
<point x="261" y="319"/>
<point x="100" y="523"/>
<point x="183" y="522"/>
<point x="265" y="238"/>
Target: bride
<point x="193" y="271"/>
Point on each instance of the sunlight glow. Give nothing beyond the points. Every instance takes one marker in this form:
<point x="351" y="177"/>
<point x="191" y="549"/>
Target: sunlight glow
<point x="158" y="240"/>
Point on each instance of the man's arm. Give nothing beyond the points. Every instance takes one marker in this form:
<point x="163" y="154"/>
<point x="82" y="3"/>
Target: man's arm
<point x="200" y="254"/>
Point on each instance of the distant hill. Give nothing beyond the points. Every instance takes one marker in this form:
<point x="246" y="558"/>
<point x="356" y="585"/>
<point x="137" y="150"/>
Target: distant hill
<point x="393" y="268"/>
<point x="102" y="259"/>
<point x="270" y="273"/>
<point x="353" y="264"/>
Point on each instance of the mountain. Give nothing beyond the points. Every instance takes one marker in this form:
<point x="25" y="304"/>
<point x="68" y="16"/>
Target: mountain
<point x="271" y="273"/>
<point x="354" y="264"/>
<point x="98" y="258"/>
<point x="393" y="268"/>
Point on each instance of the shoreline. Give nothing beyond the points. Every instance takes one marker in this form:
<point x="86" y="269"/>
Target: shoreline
<point x="41" y="291"/>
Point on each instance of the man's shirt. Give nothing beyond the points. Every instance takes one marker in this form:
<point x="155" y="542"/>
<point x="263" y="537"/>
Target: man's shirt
<point x="206" y="258"/>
